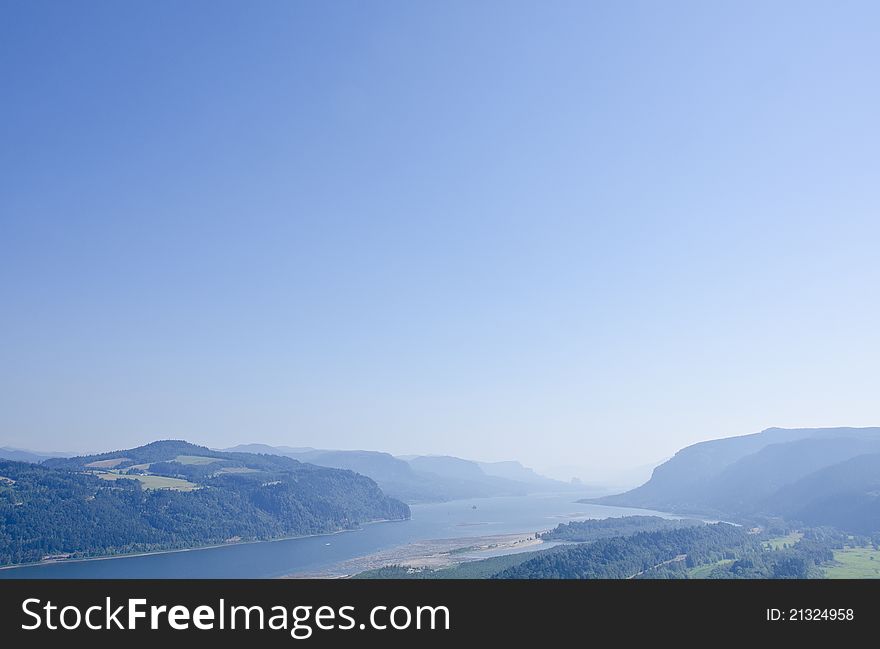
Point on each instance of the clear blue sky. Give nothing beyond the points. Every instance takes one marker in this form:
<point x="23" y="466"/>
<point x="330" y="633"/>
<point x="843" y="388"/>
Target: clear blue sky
<point x="568" y="233"/>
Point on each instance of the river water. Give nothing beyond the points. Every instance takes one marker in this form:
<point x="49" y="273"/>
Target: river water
<point x="455" y="519"/>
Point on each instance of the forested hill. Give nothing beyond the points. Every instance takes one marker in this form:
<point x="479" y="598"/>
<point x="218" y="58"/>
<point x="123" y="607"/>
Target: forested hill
<point x="172" y="494"/>
<point x="631" y="556"/>
<point x="594" y="529"/>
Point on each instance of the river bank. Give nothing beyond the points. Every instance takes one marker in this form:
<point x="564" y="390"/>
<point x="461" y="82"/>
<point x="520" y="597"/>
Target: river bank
<point x="432" y="554"/>
<point x="458" y="529"/>
<point x="195" y="548"/>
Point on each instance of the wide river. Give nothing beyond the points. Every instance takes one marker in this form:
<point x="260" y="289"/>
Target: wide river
<point x="455" y="519"/>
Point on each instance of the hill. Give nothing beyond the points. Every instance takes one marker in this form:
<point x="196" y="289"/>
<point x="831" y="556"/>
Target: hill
<point x="820" y="476"/>
<point x="22" y="455"/>
<point x="172" y="494"/>
<point x="680" y="482"/>
<point x="644" y="554"/>
<point x="845" y="495"/>
<point x="512" y="470"/>
<point x="427" y="478"/>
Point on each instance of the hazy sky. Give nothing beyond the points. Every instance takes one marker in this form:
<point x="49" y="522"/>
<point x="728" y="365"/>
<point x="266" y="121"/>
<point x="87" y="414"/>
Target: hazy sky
<point x="579" y="233"/>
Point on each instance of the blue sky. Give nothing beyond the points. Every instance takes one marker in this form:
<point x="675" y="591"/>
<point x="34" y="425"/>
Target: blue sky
<point x="568" y="233"/>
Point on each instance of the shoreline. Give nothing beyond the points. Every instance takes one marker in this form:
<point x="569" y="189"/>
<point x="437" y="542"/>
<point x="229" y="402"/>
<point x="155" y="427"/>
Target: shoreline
<point x="432" y="554"/>
<point x="436" y="551"/>
<point x="196" y="548"/>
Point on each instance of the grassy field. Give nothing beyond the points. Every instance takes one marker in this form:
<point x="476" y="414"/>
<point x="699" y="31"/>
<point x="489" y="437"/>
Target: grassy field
<point x="855" y="563"/>
<point x="778" y="542"/>
<point x="196" y="459"/>
<point x="701" y="572"/>
<point x="152" y="481"/>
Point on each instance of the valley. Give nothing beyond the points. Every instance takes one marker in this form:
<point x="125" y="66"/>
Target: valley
<point x="798" y="503"/>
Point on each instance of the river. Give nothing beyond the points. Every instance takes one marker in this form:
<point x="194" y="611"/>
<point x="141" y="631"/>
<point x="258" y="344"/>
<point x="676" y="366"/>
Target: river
<point x="455" y="519"/>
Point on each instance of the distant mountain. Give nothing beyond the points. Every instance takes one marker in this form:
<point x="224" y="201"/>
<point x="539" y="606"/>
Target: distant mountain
<point x="269" y="450"/>
<point x="466" y="479"/>
<point x="512" y="470"/>
<point x="425" y="478"/>
<point x="448" y="466"/>
<point x="22" y="455"/>
<point x="172" y="494"/>
<point x="793" y="473"/>
<point x="681" y="481"/>
<point x="394" y="476"/>
<point x="606" y="480"/>
<point x="367" y="463"/>
<point x="747" y="483"/>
